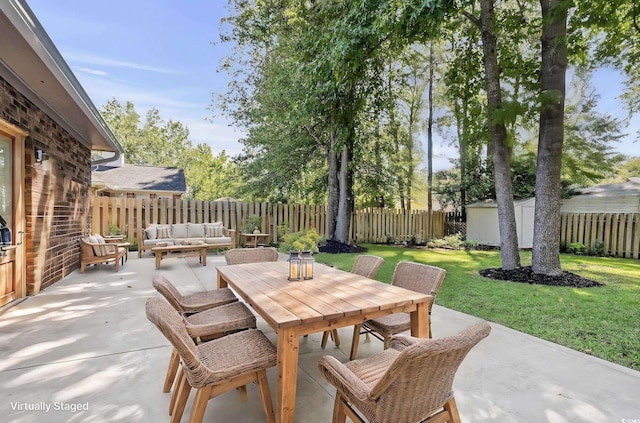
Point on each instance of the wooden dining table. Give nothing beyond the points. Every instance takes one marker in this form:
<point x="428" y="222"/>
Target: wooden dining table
<point x="332" y="299"/>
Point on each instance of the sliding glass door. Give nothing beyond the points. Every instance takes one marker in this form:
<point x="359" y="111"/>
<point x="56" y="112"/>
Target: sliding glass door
<point x="6" y="180"/>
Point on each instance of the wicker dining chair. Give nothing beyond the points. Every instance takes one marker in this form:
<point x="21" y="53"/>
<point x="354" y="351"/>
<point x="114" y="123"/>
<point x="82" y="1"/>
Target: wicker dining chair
<point x="250" y="255"/>
<point x="365" y="265"/>
<point x="414" y="276"/>
<point x="192" y="303"/>
<point x="214" y="367"/>
<point x="211" y="324"/>
<point x="410" y="382"/>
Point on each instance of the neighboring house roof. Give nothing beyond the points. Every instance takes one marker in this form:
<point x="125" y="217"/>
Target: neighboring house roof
<point x="132" y="178"/>
<point x="32" y="64"/>
<point x="631" y="187"/>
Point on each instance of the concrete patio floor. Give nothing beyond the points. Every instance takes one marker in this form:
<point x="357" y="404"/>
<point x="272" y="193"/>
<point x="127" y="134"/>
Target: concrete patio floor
<point x="85" y="347"/>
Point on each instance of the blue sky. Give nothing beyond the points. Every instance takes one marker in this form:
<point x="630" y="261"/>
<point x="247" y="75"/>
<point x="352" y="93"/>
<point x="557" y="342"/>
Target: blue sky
<point x="159" y="53"/>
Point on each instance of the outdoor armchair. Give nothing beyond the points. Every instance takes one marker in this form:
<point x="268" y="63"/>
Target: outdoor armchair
<point x="95" y="250"/>
<point x="250" y="255"/>
<point x="365" y="265"/>
<point x="414" y="276"/>
<point x="410" y="382"/>
<point x="192" y="303"/>
<point x="214" y="367"/>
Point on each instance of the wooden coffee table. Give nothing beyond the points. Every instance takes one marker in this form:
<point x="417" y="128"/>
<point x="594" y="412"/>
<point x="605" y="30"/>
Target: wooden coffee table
<point x="195" y="249"/>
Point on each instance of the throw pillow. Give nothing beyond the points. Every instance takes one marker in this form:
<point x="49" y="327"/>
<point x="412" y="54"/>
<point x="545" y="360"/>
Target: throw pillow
<point x="163" y="232"/>
<point x="213" y="231"/>
<point x="100" y="250"/>
<point x="151" y="232"/>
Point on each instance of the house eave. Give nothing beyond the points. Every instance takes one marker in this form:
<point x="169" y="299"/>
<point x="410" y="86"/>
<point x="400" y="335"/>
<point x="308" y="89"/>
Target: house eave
<point x="32" y="64"/>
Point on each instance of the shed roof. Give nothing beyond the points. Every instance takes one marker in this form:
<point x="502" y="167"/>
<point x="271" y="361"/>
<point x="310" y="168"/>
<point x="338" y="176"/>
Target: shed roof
<point x="491" y="203"/>
<point x="140" y="178"/>
<point x="631" y="187"/>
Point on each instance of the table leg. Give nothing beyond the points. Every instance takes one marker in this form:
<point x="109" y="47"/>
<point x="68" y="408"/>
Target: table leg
<point x="203" y="256"/>
<point x="158" y="258"/>
<point x="288" y="348"/>
<point x="420" y="321"/>
<point x="222" y="283"/>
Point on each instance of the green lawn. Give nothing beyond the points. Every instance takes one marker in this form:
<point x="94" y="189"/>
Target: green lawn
<point x="603" y="321"/>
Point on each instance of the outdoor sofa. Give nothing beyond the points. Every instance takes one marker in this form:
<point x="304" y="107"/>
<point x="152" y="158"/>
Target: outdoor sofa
<point x="184" y="233"/>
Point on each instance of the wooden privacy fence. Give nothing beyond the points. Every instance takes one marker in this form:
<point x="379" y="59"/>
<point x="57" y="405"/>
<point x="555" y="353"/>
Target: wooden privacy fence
<point x="619" y="232"/>
<point x="378" y="225"/>
<point x="373" y="225"/>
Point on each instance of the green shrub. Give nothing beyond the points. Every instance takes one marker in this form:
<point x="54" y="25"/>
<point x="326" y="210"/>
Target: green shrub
<point x="471" y="244"/>
<point x="439" y="242"/>
<point x="114" y="230"/>
<point x="283" y="229"/>
<point x="577" y="248"/>
<point x="597" y="249"/>
<point x="300" y="241"/>
<point x="454" y="241"/>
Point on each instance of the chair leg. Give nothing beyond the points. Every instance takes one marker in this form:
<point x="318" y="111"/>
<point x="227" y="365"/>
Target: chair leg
<point x="178" y="382"/>
<point x="336" y="337"/>
<point x="174" y="363"/>
<point x="452" y="408"/>
<point x="182" y="395"/>
<point x="339" y="415"/>
<point x="354" y="342"/>
<point x="200" y="404"/>
<point x="265" y="396"/>
<point x="325" y="336"/>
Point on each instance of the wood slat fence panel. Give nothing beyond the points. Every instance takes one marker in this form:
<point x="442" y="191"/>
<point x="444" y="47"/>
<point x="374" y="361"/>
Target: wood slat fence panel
<point x="619" y="233"/>
<point x="369" y="225"/>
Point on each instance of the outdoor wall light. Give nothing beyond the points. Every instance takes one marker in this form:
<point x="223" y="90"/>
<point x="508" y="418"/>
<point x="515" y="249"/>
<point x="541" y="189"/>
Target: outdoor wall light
<point x="40" y="155"/>
<point x="294" y="266"/>
<point x="306" y="259"/>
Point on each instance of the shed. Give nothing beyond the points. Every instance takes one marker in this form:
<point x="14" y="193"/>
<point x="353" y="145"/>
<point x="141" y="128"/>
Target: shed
<point x="606" y="198"/>
<point x="482" y="222"/>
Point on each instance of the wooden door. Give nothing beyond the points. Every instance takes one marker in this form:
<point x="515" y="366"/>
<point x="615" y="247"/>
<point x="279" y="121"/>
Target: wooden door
<point x="12" y="264"/>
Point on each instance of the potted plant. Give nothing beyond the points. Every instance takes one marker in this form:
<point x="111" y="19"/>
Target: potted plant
<point x="252" y="224"/>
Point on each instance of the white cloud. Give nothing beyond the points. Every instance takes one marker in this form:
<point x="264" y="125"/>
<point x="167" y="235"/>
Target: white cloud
<point x="93" y="71"/>
<point x="109" y="62"/>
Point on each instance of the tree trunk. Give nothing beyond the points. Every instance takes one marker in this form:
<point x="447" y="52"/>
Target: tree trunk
<point x="432" y="64"/>
<point x="501" y="149"/>
<point x="345" y="205"/>
<point x="333" y="187"/>
<point x="546" y="234"/>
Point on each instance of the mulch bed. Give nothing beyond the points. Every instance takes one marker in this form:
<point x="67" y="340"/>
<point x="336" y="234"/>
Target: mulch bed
<point x="335" y="247"/>
<point x="525" y="275"/>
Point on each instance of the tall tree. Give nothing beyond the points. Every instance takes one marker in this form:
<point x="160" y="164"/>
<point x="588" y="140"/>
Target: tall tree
<point x="546" y="235"/>
<point x="500" y="142"/>
<point x="156" y="142"/>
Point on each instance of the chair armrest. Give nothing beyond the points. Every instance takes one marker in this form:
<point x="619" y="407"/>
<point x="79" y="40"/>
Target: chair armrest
<point x="342" y="378"/>
<point x="400" y="342"/>
<point x="111" y="248"/>
<point x="231" y="233"/>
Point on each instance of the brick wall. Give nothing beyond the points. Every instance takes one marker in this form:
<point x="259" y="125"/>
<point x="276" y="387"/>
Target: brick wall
<point x="56" y="192"/>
